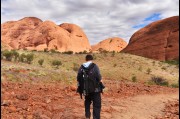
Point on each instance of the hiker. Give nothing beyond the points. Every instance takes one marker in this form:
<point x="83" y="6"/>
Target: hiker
<point x="90" y="85"/>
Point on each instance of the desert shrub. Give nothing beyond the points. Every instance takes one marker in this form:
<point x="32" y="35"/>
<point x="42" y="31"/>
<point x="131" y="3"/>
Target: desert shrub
<point x="113" y="54"/>
<point x="84" y="52"/>
<point x="34" y="50"/>
<point x="15" y="55"/>
<point x="53" y="51"/>
<point x="79" y="52"/>
<point x="148" y="71"/>
<point x="41" y="61"/>
<point x="8" y="55"/>
<point x="163" y="68"/>
<point x="175" y="85"/>
<point x="22" y="57"/>
<point x="29" y="58"/>
<point x="114" y="65"/>
<point x="173" y="62"/>
<point x="140" y="68"/>
<point x="76" y="66"/>
<point x="159" y="81"/>
<point x="94" y="56"/>
<point x="56" y="63"/>
<point x="134" y="79"/>
<point x="45" y="49"/>
<point x="68" y="52"/>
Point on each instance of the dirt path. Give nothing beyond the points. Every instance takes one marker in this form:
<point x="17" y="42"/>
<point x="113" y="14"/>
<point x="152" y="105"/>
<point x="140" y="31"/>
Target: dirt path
<point x="121" y="100"/>
<point x="139" y="107"/>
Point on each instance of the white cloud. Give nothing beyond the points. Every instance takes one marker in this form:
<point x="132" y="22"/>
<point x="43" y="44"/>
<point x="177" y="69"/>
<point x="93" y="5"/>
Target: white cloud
<point x="98" y="18"/>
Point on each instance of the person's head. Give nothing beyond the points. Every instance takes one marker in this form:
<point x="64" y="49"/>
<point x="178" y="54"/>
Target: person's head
<point x="89" y="57"/>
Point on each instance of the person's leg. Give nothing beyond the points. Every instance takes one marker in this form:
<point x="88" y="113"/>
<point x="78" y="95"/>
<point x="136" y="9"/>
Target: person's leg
<point x="96" y="105"/>
<point x="87" y="104"/>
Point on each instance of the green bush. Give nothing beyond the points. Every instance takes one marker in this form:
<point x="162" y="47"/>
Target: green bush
<point x="175" y="85"/>
<point x="15" y="55"/>
<point x="173" y="62"/>
<point x="8" y="55"/>
<point x="134" y="79"/>
<point x="22" y="57"/>
<point x="56" y="63"/>
<point x="68" y="52"/>
<point x="29" y="58"/>
<point x="159" y="81"/>
<point x="41" y="61"/>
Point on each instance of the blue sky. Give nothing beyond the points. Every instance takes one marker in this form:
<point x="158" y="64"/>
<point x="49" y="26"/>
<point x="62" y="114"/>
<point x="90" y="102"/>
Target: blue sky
<point x="99" y="19"/>
<point x="148" y="20"/>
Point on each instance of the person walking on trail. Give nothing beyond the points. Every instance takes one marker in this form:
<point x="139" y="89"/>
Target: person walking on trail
<point x="90" y="85"/>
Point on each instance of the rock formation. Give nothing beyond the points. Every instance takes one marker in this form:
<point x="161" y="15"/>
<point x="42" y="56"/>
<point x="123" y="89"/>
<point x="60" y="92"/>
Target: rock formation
<point x="158" y="40"/>
<point x="33" y="34"/>
<point x="111" y="44"/>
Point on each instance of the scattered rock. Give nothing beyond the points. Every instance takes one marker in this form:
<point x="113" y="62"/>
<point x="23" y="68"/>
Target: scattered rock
<point x="22" y="97"/>
<point x="5" y="103"/>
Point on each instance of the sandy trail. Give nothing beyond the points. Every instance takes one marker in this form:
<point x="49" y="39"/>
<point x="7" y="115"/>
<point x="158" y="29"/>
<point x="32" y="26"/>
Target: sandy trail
<point x="52" y="101"/>
<point x="139" y="107"/>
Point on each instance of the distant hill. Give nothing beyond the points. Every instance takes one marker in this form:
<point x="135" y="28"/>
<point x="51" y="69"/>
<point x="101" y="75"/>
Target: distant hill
<point x="110" y="44"/>
<point x="158" y="40"/>
<point x="33" y="34"/>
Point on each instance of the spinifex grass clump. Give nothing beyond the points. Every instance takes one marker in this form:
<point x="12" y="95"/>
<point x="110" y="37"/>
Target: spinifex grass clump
<point x="160" y="81"/>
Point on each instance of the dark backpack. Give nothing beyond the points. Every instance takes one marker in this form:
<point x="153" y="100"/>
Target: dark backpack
<point x="88" y="83"/>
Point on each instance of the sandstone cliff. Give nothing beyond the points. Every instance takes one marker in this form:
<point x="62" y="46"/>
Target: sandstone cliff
<point x="110" y="44"/>
<point x="33" y="34"/>
<point x="158" y="40"/>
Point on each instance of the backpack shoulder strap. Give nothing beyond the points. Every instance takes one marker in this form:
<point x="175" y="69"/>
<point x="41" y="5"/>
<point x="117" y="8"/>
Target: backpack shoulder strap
<point x="90" y="66"/>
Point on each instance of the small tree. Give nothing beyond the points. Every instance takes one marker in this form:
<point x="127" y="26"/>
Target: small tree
<point x="56" y="63"/>
<point x="41" y="61"/>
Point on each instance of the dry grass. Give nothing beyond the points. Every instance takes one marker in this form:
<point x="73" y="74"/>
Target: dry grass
<point x="120" y="66"/>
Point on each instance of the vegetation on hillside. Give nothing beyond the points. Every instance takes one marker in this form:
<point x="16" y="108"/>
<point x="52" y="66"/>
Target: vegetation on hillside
<point x="55" y="66"/>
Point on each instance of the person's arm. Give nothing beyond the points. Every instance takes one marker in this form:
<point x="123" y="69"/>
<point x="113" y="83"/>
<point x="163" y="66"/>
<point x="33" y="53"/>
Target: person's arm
<point x="99" y="79"/>
<point x="98" y="74"/>
<point x="78" y="82"/>
<point x="79" y="75"/>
